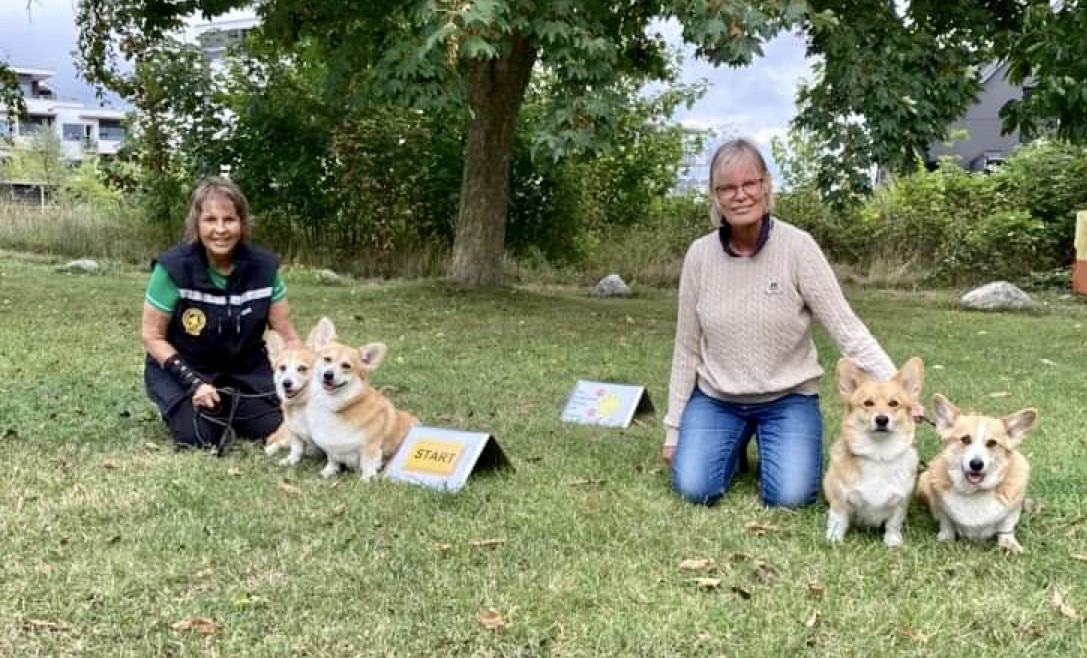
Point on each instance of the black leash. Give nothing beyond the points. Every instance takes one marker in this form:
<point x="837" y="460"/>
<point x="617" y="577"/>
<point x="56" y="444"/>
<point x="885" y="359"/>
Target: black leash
<point x="227" y="436"/>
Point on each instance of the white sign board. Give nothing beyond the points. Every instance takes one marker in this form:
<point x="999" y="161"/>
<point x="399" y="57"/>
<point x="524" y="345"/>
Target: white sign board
<point x="443" y="458"/>
<point x="609" y="405"/>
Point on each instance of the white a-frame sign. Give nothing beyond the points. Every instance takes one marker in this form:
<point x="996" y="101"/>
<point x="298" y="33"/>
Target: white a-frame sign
<point x="609" y="405"/>
<point x="443" y="458"/>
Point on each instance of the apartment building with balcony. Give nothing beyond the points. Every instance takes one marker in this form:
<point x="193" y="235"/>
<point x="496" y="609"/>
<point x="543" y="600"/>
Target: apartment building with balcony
<point x="82" y="129"/>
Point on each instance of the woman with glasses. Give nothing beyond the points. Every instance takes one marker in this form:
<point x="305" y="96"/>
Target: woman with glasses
<point x="744" y="362"/>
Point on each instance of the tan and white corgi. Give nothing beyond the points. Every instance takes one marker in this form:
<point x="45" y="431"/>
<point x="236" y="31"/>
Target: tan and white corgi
<point x="292" y="371"/>
<point x="350" y="420"/>
<point x="977" y="484"/>
<point x="873" y="464"/>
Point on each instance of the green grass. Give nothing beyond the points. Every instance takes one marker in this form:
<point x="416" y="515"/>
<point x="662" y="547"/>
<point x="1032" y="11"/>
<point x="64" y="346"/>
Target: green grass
<point x="109" y="537"/>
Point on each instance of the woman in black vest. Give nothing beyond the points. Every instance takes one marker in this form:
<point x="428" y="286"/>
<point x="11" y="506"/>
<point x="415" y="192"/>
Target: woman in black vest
<point x="207" y="305"/>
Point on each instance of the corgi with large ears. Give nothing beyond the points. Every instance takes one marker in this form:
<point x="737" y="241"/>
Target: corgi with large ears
<point x="977" y="484"/>
<point x="350" y="420"/>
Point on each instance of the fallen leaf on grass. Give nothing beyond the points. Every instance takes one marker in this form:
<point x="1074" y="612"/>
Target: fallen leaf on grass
<point x="812" y="619"/>
<point x="1079" y="557"/>
<point x="585" y="481"/>
<point x="289" y="489"/>
<point x="706" y="583"/>
<point x="45" y="625"/>
<point x="1056" y="599"/>
<point x="150" y="445"/>
<point x="741" y="591"/>
<point x="912" y="633"/>
<point x="491" y="619"/>
<point x="697" y="564"/>
<point x="234" y="471"/>
<point x="440" y="547"/>
<point x="339" y="510"/>
<point x="1049" y="362"/>
<point x="765" y="572"/>
<point x="197" y="624"/>
<point x="816" y="590"/>
<point x="109" y="464"/>
<point x="999" y="394"/>
<point x="760" y="528"/>
<point x="486" y="543"/>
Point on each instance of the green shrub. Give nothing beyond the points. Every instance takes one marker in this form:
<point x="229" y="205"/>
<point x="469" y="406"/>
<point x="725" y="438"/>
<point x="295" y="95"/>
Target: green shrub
<point x="1049" y="180"/>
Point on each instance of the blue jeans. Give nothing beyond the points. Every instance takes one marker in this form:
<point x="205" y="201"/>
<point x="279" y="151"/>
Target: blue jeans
<point x="790" y="443"/>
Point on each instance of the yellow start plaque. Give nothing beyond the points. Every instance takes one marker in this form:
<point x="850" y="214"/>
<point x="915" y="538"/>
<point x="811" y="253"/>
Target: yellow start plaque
<point x="431" y="456"/>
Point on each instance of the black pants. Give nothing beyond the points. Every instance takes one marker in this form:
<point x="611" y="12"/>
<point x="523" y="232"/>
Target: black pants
<point x="254" y="418"/>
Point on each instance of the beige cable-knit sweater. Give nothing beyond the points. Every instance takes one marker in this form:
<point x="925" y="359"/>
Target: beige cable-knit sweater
<point x="743" y="330"/>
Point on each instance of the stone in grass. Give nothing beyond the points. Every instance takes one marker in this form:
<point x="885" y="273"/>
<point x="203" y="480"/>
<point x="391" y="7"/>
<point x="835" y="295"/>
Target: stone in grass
<point x="80" y="266"/>
<point x="996" y="296"/>
<point x="328" y="277"/>
<point x="611" y="286"/>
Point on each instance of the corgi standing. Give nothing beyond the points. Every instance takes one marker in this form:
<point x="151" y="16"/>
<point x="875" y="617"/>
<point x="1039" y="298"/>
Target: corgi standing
<point x="351" y="421"/>
<point x="292" y="371"/>
<point x="977" y="484"/>
<point x="873" y="464"/>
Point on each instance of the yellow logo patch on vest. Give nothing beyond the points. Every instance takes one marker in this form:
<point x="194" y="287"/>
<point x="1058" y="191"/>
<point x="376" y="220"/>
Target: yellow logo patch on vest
<point x="193" y="320"/>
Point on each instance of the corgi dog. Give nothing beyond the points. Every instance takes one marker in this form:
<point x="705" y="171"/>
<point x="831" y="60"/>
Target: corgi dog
<point x="873" y="464"/>
<point x="977" y="484"/>
<point x="351" y="421"/>
<point x="292" y="371"/>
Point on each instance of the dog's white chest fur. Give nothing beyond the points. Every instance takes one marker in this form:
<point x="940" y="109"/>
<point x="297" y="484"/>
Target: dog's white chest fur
<point x="976" y="516"/>
<point x="341" y="440"/>
<point x="298" y="423"/>
<point x="883" y="487"/>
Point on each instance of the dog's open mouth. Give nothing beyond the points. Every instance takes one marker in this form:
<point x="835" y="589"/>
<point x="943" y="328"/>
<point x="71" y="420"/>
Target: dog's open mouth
<point x="291" y="393"/>
<point x="974" y="477"/>
<point x="330" y="386"/>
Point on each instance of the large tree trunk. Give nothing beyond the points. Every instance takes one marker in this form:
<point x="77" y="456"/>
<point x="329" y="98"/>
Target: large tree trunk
<point x="496" y="88"/>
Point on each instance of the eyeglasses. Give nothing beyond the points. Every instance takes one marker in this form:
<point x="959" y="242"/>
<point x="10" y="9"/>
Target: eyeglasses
<point x="750" y="188"/>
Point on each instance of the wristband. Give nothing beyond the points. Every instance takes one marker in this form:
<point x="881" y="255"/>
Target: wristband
<point x="183" y="374"/>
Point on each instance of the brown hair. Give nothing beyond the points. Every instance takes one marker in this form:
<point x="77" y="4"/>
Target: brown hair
<point x="216" y="186"/>
<point x="730" y="153"/>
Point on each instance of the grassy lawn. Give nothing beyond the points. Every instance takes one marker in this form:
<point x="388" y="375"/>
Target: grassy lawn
<point x="115" y="545"/>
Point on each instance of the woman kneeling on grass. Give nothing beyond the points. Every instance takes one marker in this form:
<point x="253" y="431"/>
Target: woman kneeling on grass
<point x="744" y="362"/>
<point x="207" y="305"/>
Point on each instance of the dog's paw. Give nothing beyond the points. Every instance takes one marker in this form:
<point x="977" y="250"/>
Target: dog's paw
<point x="1009" y="543"/>
<point x="836" y="527"/>
<point x="892" y="539"/>
<point x="945" y="535"/>
<point x="271" y="449"/>
<point x="329" y="470"/>
<point x="289" y="460"/>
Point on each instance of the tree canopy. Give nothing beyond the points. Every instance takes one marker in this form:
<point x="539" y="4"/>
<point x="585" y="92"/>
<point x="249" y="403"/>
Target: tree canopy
<point x="890" y="76"/>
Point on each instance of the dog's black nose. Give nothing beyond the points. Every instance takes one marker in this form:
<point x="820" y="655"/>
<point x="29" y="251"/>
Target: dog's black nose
<point x="328" y="375"/>
<point x="881" y="421"/>
<point x="976" y="464"/>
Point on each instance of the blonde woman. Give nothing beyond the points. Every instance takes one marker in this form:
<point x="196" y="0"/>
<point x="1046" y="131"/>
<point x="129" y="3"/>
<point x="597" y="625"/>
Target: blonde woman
<point x="744" y="363"/>
<point x="206" y="307"/>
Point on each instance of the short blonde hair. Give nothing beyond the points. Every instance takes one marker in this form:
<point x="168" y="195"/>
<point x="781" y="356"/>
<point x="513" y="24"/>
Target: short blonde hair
<point x="729" y="154"/>
<point x="216" y="186"/>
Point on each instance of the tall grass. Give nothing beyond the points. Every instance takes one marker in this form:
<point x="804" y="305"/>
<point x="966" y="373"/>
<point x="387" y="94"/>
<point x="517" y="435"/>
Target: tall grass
<point x="75" y="231"/>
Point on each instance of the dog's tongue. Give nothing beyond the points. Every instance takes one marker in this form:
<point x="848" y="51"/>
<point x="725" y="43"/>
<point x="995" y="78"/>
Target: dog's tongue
<point x="974" y="478"/>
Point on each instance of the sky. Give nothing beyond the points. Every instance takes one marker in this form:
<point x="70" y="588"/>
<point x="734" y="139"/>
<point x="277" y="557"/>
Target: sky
<point x="755" y="102"/>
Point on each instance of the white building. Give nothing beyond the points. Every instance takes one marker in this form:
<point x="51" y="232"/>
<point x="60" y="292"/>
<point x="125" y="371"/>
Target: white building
<point x="81" y="129"/>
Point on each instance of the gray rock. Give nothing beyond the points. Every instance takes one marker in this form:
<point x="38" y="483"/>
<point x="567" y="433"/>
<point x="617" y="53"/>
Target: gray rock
<point x="329" y="277"/>
<point x="80" y="266"/>
<point x="996" y="296"/>
<point x="611" y="286"/>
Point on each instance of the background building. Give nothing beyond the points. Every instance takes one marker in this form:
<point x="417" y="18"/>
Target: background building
<point x="81" y="129"/>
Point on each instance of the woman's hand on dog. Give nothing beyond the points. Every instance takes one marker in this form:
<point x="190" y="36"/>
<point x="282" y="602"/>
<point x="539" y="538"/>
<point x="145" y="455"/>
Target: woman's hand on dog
<point x="205" y="396"/>
<point x="667" y="452"/>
